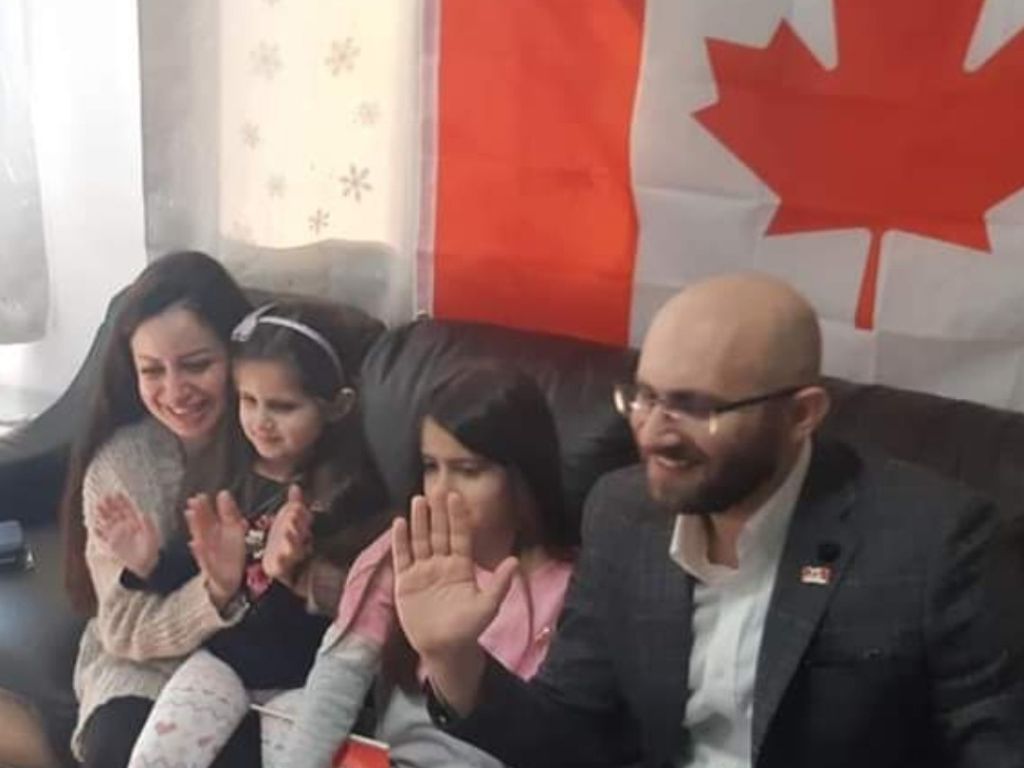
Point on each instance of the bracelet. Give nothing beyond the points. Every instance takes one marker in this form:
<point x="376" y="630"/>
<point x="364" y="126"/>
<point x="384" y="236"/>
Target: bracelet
<point x="236" y="607"/>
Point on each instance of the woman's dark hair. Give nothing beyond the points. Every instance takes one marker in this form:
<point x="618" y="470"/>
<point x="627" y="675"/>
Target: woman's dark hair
<point x="501" y="413"/>
<point x="187" y="279"/>
<point x="339" y="478"/>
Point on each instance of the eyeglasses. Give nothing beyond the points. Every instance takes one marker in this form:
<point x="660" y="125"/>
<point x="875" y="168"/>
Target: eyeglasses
<point x="638" y="401"/>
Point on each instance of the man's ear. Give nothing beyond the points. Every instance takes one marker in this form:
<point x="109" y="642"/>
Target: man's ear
<point x="341" y="405"/>
<point x="811" y="406"/>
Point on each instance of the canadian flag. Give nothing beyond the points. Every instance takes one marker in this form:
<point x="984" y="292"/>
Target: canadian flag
<point x="589" y="157"/>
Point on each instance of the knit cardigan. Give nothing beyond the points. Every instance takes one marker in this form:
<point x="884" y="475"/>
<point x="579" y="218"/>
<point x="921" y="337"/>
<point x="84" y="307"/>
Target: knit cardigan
<point x="137" y="639"/>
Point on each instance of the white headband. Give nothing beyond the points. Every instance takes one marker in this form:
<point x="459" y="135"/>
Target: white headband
<point x="260" y="316"/>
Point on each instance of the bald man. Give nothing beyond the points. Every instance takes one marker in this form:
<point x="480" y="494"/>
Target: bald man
<point x="748" y="595"/>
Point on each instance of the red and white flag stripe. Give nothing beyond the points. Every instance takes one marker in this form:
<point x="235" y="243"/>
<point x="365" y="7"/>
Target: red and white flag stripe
<point x="580" y="174"/>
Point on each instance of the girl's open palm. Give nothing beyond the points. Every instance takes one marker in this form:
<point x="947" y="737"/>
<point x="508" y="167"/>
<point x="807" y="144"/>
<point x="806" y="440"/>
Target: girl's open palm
<point x="289" y="541"/>
<point x="440" y="605"/>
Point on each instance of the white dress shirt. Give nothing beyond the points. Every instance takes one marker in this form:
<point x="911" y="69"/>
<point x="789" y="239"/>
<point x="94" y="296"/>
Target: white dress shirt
<point x="729" y="609"/>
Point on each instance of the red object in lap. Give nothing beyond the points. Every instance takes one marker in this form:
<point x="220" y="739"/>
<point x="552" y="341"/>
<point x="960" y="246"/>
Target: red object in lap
<point x="359" y="752"/>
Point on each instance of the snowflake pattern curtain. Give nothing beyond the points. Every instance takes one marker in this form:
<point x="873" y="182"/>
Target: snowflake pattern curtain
<point x="24" y="281"/>
<point x="280" y="137"/>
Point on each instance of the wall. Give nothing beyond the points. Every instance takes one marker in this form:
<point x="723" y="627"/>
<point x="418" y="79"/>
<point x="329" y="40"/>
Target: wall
<point x="84" y="59"/>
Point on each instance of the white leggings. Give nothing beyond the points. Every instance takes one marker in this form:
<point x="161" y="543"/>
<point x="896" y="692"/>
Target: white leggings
<point x="198" y="710"/>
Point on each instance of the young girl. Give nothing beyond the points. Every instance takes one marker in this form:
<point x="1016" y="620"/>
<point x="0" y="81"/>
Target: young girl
<point x="487" y="435"/>
<point x="309" y="494"/>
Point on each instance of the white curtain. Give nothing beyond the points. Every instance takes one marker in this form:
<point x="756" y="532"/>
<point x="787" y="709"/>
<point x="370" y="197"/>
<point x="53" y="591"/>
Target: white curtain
<point x="283" y="137"/>
<point x="24" y="282"/>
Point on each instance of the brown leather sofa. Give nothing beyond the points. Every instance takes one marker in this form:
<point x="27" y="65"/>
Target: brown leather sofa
<point x="980" y="446"/>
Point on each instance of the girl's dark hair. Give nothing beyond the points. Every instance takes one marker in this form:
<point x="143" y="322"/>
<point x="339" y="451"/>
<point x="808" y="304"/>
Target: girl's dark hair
<point x="347" y="331"/>
<point x="186" y="279"/>
<point x="339" y="478"/>
<point x="499" y="412"/>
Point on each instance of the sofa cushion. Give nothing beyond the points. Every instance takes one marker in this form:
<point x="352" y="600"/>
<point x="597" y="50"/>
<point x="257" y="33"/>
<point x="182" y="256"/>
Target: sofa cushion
<point x="576" y="376"/>
<point x="39" y="638"/>
<point x="979" y="446"/>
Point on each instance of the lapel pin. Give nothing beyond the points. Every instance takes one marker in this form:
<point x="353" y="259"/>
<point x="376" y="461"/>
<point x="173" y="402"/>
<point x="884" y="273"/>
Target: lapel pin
<point x="819" y="575"/>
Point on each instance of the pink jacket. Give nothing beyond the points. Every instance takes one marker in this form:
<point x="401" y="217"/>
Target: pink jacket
<point x="518" y="637"/>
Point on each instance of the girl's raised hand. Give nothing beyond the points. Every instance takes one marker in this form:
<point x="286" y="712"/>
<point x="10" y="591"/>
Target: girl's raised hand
<point x="289" y="541"/>
<point x="127" y="534"/>
<point x="440" y="605"/>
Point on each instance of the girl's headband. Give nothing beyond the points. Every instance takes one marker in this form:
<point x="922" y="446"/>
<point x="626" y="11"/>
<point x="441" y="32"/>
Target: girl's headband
<point x="260" y="316"/>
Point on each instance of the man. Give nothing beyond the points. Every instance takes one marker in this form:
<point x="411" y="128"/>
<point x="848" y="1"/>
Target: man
<point x="749" y="595"/>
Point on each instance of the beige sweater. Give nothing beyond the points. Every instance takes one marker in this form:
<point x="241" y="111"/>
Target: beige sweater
<point x="137" y="639"/>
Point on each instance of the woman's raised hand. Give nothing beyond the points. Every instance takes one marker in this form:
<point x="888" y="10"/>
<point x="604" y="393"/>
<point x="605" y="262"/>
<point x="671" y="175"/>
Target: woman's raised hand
<point x="218" y="534"/>
<point x="440" y="605"/>
<point x="127" y="534"/>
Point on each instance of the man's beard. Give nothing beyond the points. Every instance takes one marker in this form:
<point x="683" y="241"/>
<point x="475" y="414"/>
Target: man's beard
<point x="716" y="485"/>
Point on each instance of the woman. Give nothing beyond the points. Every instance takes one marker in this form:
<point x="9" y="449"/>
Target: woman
<point x="163" y="394"/>
<point x="488" y="438"/>
<point x="307" y="477"/>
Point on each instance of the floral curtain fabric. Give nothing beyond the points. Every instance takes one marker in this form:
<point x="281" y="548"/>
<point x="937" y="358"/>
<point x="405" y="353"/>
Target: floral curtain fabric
<point x="24" y="280"/>
<point x="282" y="136"/>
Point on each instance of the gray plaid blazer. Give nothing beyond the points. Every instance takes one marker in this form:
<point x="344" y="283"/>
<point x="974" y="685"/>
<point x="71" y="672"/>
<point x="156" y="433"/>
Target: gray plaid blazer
<point x="911" y="655"/>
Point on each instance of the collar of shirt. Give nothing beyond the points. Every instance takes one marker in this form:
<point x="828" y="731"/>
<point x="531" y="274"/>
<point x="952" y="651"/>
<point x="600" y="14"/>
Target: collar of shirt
<point x="760" y="542"/>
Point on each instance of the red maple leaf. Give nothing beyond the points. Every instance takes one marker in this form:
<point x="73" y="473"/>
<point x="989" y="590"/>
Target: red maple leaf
<point x="897" y="136"/>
